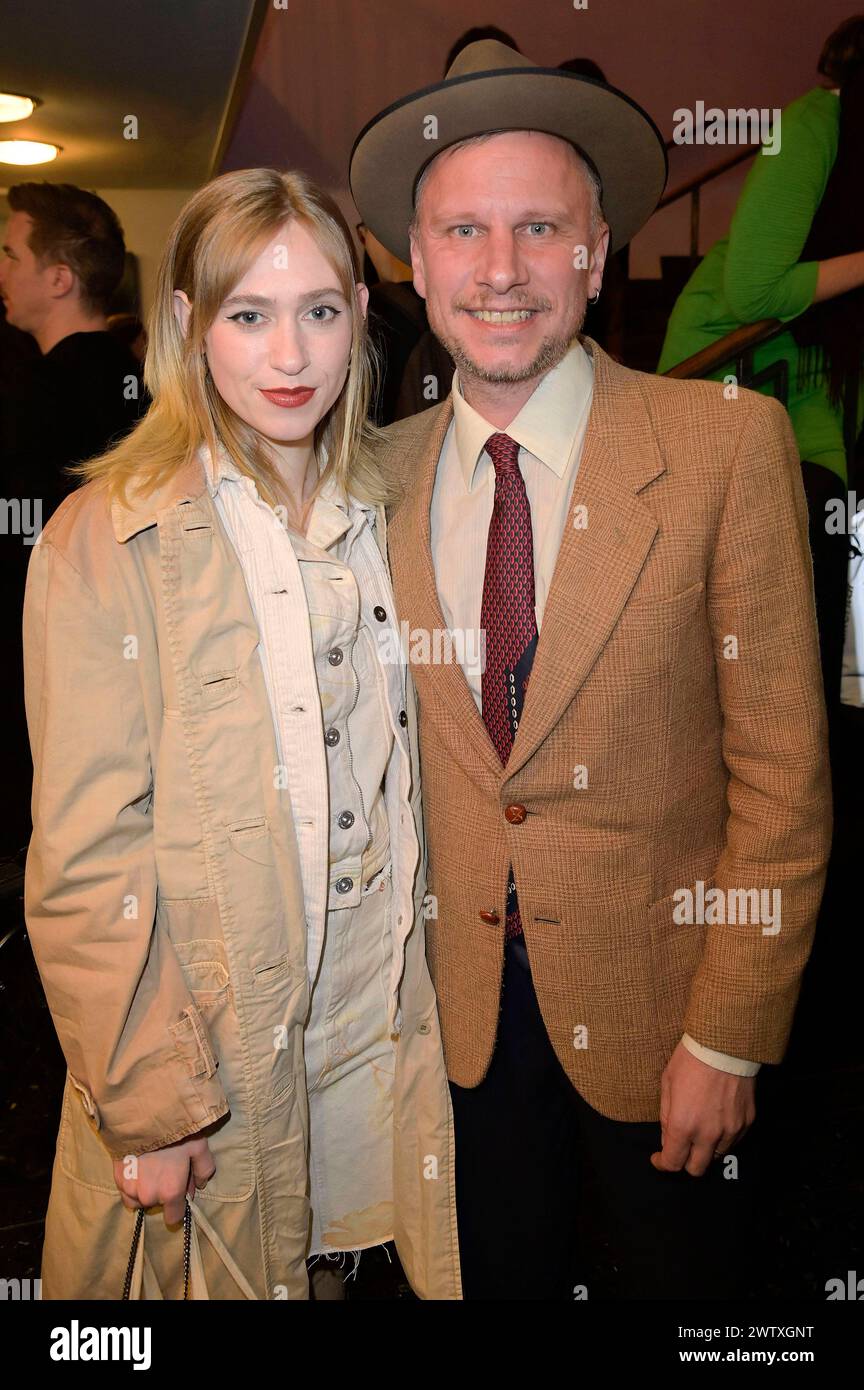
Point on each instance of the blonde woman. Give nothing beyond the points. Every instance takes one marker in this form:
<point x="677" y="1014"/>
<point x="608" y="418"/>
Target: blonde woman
<point x="225" y="887"/>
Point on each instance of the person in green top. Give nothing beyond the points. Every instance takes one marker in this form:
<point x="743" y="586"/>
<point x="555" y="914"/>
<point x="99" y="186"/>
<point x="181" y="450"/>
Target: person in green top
<point x="795" y="252"/>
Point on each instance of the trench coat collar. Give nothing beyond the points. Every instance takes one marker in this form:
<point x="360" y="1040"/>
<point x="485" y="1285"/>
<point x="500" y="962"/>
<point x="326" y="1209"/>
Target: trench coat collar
<point x="187" y="484"/>
<point x="597" y="566"/>
<point x="199" y="475"/>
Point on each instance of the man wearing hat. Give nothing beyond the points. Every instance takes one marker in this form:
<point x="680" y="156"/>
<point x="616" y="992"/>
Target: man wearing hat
<point x="627" y="799"/>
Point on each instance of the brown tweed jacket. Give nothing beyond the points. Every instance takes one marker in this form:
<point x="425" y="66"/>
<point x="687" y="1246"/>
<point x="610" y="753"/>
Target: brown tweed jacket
<point x="678" y="665"/>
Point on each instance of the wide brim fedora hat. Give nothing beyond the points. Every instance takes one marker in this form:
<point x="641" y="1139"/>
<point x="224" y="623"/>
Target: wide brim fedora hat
<point x="490" y="87"/>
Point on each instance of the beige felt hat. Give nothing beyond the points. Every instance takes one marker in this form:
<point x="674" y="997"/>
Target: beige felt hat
<point x="490" y="87"/>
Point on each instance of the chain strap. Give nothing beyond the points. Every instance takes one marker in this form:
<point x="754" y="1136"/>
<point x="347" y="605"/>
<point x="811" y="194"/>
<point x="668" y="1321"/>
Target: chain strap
<point x="187" y="1248"/>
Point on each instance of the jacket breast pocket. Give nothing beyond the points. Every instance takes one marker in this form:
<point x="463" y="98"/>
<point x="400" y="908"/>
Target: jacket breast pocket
<point x="650" y="631"/>
<point x="667" y="613"/>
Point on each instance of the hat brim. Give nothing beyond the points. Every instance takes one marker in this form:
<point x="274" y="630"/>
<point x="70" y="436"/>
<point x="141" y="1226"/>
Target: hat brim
<point x="619" y="138"/>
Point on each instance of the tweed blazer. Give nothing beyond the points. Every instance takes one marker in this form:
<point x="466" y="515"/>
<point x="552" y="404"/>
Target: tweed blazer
<point x="670" y="774"/>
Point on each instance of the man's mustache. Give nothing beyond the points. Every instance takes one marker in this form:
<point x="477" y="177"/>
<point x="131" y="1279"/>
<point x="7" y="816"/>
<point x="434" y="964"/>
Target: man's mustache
<point x="538" y="305"/>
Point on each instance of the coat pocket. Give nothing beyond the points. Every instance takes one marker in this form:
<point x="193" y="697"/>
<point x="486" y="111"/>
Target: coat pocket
<point x="252" y="838"/>
<point x="204" y="962"/>
<point x="281" y="1003"/>
<point x="80" y="1152"/>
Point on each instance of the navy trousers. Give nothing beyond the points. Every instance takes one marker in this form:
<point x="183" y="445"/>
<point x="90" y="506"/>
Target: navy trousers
<point x="555" y="1201"/>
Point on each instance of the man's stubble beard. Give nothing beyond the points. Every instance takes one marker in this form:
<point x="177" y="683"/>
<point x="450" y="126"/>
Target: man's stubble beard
<point x="552" y="350"/>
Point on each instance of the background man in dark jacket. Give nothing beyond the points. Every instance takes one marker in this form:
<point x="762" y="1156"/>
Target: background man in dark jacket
<point x="63" y="258"/>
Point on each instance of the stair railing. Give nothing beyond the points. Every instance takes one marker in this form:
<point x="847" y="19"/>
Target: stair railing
<point x="737" y="348"/>
<point x="694" y="186"/>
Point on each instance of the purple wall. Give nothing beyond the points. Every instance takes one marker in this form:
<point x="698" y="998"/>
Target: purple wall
<point x="324" y="67"/>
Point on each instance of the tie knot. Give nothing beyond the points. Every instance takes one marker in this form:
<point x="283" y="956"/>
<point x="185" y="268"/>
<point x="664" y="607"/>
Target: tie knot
<point x="504" y="453"/>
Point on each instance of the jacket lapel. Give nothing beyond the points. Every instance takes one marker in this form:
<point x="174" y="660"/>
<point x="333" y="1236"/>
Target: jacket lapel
<point x="444" y="693"/>
<point x="597" y="566"/>
<point x="600" y="557"/>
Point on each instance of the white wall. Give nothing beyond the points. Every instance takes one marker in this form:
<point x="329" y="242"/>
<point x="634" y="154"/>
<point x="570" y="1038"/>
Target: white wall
<point x="146" y="215"/>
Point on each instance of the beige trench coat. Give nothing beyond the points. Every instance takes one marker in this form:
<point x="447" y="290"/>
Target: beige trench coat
<point x="163" y="900"/>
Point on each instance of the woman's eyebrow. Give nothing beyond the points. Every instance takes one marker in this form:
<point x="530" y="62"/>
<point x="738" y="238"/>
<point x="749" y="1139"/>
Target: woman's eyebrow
<point x="316" y="294"/>
<point x="265" y="302"/>
<point x="260" y="299"/>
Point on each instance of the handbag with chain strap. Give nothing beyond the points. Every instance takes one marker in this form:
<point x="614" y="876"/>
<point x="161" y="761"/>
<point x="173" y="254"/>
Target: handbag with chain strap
<point x="141" y="1281"/>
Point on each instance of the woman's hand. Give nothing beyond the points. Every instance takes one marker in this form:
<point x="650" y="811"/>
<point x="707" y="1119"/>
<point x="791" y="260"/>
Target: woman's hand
<point x="165" y="1177"/>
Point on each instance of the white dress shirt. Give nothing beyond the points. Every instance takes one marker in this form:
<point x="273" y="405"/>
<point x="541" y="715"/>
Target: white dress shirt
<point x="550" y="431"/>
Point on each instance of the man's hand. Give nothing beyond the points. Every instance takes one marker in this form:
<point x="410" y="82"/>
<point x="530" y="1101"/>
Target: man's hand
<point x="166" y="1177"/>
<point x="702" y="1110"/>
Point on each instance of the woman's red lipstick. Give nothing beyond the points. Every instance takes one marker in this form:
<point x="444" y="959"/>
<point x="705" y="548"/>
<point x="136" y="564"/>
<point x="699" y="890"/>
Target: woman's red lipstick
<point x="290" y="396"/>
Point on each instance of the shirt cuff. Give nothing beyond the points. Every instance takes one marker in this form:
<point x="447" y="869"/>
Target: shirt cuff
<point x="721" y="1061"/>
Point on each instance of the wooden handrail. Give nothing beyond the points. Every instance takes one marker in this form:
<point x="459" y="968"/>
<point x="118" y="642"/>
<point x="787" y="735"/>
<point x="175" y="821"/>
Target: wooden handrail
<point x="740" y="340"/>
<point x="695" y="185"/>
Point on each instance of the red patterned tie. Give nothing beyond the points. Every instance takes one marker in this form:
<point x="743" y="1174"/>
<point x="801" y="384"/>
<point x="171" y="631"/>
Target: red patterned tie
<point x="507" y="614"/>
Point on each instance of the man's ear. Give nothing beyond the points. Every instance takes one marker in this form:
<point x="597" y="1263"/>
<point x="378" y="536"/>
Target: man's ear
<point x="362" y="292"/>
<point x="598" y="259"/>
<point x="417" y="267"/>
<point x="182" y="310"/>
<point x="61" y="280"/>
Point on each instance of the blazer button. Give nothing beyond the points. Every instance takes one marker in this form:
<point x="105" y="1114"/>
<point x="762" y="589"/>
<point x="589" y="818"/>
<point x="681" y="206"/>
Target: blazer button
<point x="515" y="814"/>
<point x="380" y="613"/>
<point x="491" y="918"/>
<point x="335" y="657"/>
<point x="403" y="718"/>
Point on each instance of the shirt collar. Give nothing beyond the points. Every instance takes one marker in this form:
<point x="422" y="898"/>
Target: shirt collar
<point x="547" y="424"/>
<point x="333" y="514"/>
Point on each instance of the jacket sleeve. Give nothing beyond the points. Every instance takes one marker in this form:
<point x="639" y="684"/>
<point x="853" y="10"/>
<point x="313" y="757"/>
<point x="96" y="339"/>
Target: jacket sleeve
<point x="778" y="834"/>
<point x="135" y="1044"/>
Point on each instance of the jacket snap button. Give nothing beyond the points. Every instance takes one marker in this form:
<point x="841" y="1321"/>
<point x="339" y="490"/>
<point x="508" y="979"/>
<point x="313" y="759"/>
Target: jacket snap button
<point x="380" y="613"/>
<point x="489" y="917"/>
<point x="423" y="1028"/>
<point x="403" y="718"/>
<point x="335" y="656"/>
<point x="344" y="885"/>
<point x="515" y="814"/>
<point x="346" y="820"/>
<point x="331" y="738"/>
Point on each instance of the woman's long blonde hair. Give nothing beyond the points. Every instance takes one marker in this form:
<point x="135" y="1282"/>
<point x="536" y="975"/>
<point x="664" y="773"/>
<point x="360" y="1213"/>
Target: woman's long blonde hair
<point x="216" y="237"/>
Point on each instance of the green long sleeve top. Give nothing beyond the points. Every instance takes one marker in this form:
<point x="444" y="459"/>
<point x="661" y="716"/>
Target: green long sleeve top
<point x="755" y="272"/>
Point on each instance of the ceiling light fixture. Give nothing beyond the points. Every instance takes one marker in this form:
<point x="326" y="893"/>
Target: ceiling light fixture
<point x="27" y="152"/>
<point x="16" y="107"/>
